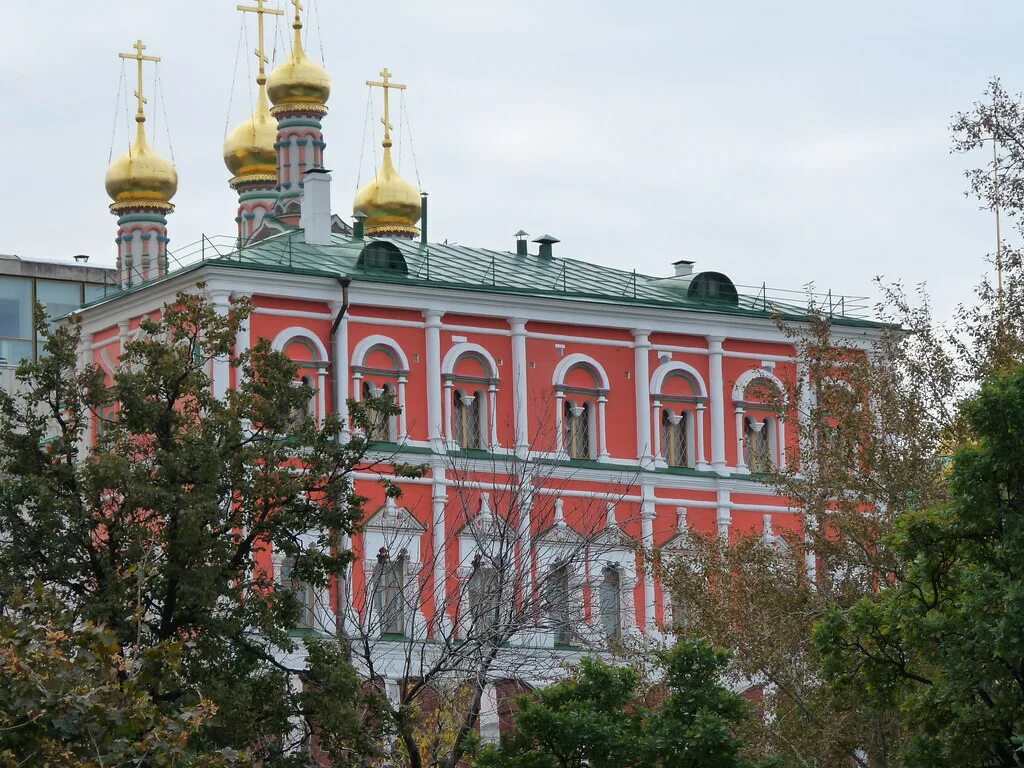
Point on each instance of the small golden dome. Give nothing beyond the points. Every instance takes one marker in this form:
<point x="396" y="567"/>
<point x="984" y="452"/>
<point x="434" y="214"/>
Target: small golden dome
<point x="249" y="149"/>
<point x="392" y="205"/>
<point x="299" y="81"/>
<point x="141" y="177"/>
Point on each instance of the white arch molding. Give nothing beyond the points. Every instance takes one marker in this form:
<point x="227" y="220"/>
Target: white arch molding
<point x="364" y="347"/>
<point x="296" y="332"/>
<point x="664" y="371"/>
<point x="749" y="376"/>
<point x="578" y="358"/>
<point x="463" y="348"/>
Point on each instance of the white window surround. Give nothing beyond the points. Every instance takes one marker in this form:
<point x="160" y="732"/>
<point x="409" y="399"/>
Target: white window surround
<point x="676" y="550"/>
<point x="599" y="395"/>
<point x="320" y="363"/>
<point x="400" y="374"/>
<point x="394" y="530"/>
<point x="323" y="617"/>
<point x="484" y="538"/>
<point x="693" y="408"/>
<point x="776" y="426"/>
<point x="561" y="545"/>
<point x="488" y="386"/>
<point x="615" y="549"/>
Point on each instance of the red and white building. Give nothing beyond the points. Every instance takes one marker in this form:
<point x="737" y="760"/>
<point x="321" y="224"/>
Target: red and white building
<point x="620" y="406"/>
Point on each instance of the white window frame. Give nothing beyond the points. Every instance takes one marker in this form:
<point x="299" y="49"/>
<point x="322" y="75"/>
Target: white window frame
<point x="394" y="530"/>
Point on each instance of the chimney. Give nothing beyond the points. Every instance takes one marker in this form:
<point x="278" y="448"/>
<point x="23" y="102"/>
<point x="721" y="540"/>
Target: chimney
<point x="545" y="242"/>
<point x="683" y="267"/>
<point x="358" y="225"/>
<point x="316" y="206"/>
<point x="521" y="244"/>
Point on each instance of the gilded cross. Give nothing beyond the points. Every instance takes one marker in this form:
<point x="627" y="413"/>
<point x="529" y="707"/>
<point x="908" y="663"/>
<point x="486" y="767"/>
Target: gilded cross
<point x="386" y="84"/>
<point x="140" y="57"/>
<point x="260" y="10"/>
<point x="298" y="9"/>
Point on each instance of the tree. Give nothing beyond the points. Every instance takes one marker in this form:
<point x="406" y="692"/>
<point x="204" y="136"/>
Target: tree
<point x="513" y="572"/>
<point x="156" y="512"/>
<point x="944" y="646"/>
<point x="877" y="422"/>
<point x="68" y="697"/>
<point x="605" y="716"/>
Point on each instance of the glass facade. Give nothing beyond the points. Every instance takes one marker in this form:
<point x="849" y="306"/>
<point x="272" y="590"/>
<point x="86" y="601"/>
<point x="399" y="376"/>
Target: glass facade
<point x="18" y="338"/>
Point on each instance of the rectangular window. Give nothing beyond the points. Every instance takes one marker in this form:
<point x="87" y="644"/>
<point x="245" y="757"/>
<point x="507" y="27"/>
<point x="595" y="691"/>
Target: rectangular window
<point x="95" y="292"/>
<point x="15" y="319"/>
<point x="58" y="298"/>
<point x="389" y="595"/>
<point x="303" y="593"/>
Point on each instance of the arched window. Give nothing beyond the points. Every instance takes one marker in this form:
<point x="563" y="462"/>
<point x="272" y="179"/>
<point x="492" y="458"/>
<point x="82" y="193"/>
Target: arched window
<point x="581" y="396"/>
<point x="379" y="365"/>
<point x="470" y="377"/>
<point x="383" y="426"/>
<point x="556" y="604"/>
<point x="679" y="403"/>
<point x="484" y="599"/>
<point x="610" y="603"/>
<point x="577" y="422"/>
<point x="307" y="351"/>
<point x="469" y="419"/>
<point x="759" y="444"/>
<point x="759" y="397"/>
<point x="303" y="592"/>
<point x="675" y="438"/>
<point x="389" y="593"/>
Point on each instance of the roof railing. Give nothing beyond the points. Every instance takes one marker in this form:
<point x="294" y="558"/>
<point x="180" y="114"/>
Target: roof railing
<point x="569" y="277"/>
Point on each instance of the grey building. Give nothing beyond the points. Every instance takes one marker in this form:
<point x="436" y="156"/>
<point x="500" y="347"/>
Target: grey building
<point x="60" y="286"/>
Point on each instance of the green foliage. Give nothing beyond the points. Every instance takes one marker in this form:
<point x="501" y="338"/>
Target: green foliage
<point x="605" y="716"/>
<point x="944" y="645"/>
<point x="148" y="519"/>
<point x="69" y="697"/>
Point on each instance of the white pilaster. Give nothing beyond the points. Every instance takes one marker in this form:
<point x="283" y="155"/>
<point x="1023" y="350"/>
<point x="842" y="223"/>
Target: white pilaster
<point x="243" y="342"/>
<point x="433" y="351"/>
<point x="519" y="387"/>
<point x="492" y="414"/>
<point x="340" y="369"/>
<point x="559" y="422"/>
<point x="702" y="462"/>
<point x="221" y="373"/>
<point x="716" y="396"/>
<point x="403" y="421"/>
<point x="647" y="512"/>
<point x="659" y="459"/>
<point x="724" y="514"/>
<point x="642" y="375"/>
<point x="439" y="499"/>
<point x="602" y="428"/>
<point x="741" y="461"/>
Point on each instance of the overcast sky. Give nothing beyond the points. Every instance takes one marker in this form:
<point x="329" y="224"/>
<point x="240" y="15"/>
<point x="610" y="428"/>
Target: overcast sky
<point x="783" y="142"/>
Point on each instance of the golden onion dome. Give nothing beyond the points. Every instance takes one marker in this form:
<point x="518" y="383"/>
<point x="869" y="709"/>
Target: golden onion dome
<point x="299" y="81"/>
<point x="141" y="177"/>
<point x="391" y="204"/>
<point x="249" y="151"/>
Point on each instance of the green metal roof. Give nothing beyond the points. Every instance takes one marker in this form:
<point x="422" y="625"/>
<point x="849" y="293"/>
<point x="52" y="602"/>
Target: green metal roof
<point x="457" y="267"/>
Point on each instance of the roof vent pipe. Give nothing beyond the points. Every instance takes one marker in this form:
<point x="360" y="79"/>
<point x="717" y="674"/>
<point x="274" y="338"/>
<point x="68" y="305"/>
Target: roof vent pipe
<point x="358" y="225"/>
<point x="81" y="258"/>
<point x="521" y="245"/>
<point x="423" y="218"/>
<point x="316" y="206"/>
<point x="683" y="267"/>
<point x="545" y="242"/>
